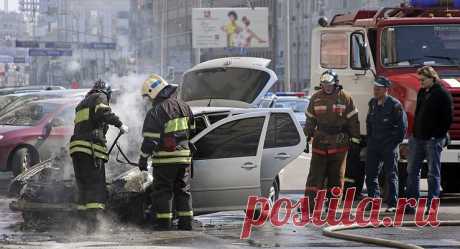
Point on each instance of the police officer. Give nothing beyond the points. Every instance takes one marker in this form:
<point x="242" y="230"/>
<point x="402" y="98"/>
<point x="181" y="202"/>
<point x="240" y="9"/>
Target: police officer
<point x="89" y="152"/>
<point x="386" y="126"/>
<point x="167" y="130"/>
<point x="332" y="122"/>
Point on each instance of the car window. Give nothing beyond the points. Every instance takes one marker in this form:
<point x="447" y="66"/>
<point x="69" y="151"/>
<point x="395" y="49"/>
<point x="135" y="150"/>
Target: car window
<point x="6" y="100"/>
<point x="265" y="103"/>
<point x="295" y="105"/>
<point x="67" y="116"/>
<point x="216" y="117"/>
<point x="239" y="138"/>
<point x="200" y="124"/>
<point x="28" y="115"/>
<point x="282" y="132"/>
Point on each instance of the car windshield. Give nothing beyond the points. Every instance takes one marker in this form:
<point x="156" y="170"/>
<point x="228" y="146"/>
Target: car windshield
<point x="28" y="115"/>
<point x="6" y="100"/>
<point x="295" y="105"/>
<point x="416" y="45"/>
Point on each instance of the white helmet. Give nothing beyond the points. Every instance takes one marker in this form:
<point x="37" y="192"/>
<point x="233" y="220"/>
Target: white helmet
<point x="153" y="86"/>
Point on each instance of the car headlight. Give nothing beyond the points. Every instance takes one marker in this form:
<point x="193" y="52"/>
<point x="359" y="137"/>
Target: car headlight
<point x="1" y="137"/>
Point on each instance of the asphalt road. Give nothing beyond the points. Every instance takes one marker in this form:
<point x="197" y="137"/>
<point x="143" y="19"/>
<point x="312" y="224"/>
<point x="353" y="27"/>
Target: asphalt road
<point x="222" y="230"/>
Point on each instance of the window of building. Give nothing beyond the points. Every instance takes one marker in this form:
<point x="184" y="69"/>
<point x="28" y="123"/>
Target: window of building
<point x="334" y="48"/>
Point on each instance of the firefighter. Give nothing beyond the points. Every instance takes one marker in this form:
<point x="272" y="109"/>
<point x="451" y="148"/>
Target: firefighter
<point x="167" y="130"/>
<point x="386" y="126"/>
<point x="89" y="152"/>
<point x="332" y="122"/>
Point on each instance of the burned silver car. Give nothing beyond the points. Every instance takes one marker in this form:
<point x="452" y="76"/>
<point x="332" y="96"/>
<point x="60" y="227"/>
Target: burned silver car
<point x="239" y="150"/>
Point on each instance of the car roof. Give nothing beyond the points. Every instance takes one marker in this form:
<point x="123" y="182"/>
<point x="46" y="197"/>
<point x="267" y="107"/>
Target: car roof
<point x="291" y="98"/>
<point x="61" y="101"/>
<point x="203" y="110"/>
<point x="51" y="92"/>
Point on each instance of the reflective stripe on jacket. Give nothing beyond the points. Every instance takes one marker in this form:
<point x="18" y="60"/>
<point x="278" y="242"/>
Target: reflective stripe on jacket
<point x="92" y="117"/>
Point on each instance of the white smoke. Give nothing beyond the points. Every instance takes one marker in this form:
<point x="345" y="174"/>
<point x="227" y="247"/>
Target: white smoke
<point x="130" y="107"/>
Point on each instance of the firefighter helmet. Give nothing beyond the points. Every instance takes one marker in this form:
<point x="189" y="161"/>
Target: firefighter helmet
<point x="153" y="86"/>
<point x="102" y="86"/>
<point x="329" y="77"/>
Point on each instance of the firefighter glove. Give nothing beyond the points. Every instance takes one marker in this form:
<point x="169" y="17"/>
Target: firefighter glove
<point x="142" y="163"/>
<point x="124" y="129"/>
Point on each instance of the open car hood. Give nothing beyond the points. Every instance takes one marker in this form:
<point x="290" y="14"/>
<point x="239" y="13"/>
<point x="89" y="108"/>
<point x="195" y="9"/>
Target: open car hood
<point x="228" y="82"/>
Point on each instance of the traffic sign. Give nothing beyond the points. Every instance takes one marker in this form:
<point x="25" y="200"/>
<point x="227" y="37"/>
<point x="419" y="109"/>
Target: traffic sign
<point x="49" y="52"/>
<point x="27" y="44"/>
<point x="100" y="45"/>
<point x="19" y="59"/>
<point x="58" y="44"/>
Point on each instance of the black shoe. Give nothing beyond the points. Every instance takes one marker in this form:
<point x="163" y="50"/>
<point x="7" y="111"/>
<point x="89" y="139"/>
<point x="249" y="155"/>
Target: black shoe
<point x="162" y="225"/>
<point x="185" y="224"/>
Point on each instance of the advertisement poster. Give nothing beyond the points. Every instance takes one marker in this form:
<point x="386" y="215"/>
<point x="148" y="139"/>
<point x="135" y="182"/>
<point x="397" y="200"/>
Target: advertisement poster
<point x="230" y="27"/>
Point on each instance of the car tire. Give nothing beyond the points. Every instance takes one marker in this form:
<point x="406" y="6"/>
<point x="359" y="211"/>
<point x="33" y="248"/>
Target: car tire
<point x="22" y="159"/>
<point x="272" y="196"/>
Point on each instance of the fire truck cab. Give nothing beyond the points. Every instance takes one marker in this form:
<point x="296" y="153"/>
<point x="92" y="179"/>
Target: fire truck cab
<point x="394" y="42"/>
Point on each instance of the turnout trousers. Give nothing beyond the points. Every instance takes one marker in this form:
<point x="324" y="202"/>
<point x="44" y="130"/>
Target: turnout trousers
<point x="325" y="168"/>
<point x="90" y="178"/>
<point x="92" y="192"/>
<point x="172" y="187"/>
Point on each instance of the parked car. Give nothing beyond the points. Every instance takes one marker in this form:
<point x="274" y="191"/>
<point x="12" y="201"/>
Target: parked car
<point x="297" y="104"/>
<point x="12" y="101"/>
<point x="32" y="132"/>
<point x="13" y="90"/>
<point x="239" y="150"/>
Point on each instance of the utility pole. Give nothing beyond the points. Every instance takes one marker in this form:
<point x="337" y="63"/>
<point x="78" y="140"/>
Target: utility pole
<point x="197" y="50"/>
<point x="287" y="51"/>
<point x="162" y="34"/>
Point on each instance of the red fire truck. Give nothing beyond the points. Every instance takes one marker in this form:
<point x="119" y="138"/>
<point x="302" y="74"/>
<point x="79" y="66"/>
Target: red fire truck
<point x="394" y="42"/>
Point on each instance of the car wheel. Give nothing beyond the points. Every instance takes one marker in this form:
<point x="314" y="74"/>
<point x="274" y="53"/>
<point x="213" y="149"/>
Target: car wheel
<point x="22" y="159"/>
<point x="272" y="196"/>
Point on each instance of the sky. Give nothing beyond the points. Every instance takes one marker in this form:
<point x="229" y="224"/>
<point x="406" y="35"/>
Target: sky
<point x="13" y="5"/>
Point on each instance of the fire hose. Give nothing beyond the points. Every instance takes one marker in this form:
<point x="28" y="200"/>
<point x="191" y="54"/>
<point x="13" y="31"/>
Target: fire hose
<point x="333" y="232"/>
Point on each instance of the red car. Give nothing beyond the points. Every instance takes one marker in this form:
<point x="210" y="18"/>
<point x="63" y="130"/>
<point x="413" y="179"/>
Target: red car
<point x="32" y="132"/>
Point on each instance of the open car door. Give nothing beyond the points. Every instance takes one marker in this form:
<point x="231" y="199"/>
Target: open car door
<point x="226" y="167"/>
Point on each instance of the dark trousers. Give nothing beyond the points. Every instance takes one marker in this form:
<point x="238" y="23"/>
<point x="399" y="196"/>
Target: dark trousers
<point x="90" y="178"/>
<point x="172" y="185"/>
<point x="387" y="155"/>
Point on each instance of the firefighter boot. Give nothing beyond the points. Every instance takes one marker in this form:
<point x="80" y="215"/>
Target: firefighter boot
<point x="185" y="223"/>
<point x="91" y="221"/>
<point x="162" y="225"/>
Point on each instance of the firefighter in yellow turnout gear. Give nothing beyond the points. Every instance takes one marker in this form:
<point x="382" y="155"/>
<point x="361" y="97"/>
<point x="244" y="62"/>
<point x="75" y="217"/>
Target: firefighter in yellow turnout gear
<point x="332" y="122"/>
<point x="89" y="152"/>
<point x="167" y="130"/>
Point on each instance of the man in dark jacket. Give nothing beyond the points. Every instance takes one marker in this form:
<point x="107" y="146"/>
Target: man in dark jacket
<point x="167" y="130"/>
<point x="89" y="152"/>
<point x="433" y="117"/>
<point x="386" y="126"/>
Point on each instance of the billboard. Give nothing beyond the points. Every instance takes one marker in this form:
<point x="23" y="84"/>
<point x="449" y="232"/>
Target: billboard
<point x="230" y="28"/>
